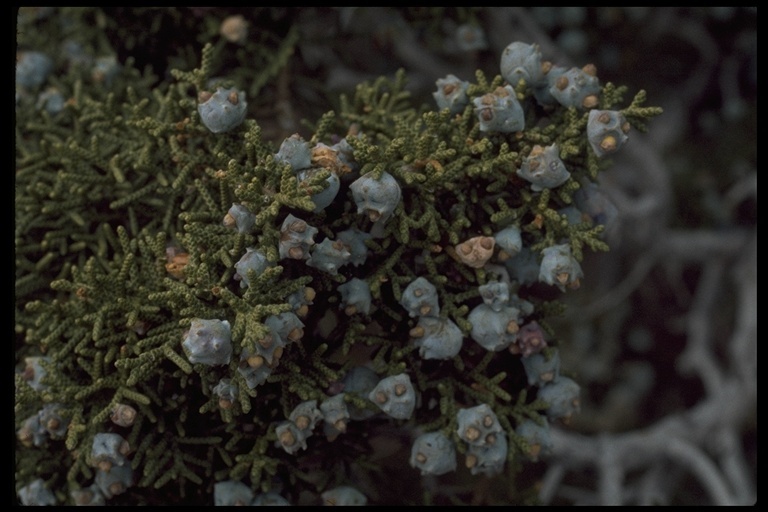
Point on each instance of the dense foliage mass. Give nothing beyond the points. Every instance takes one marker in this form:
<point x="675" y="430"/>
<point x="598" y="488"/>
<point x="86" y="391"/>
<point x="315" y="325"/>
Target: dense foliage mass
<point x="205" y="315"/>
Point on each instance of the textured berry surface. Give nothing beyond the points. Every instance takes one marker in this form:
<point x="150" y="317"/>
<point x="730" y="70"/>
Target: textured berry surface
<point x="395" y="396"/>
<point x="224" y="110"/>
<point x="376" y="197"/>
<point x="208" y="342"/>
<point x="500" y="111"/>
<point x="433" y="454"/>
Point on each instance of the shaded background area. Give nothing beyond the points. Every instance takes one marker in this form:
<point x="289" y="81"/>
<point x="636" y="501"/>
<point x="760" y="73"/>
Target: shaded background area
<point x="662" y="334"/>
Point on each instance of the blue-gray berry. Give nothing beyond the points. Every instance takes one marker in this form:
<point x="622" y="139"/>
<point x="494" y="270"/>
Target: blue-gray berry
<point x="32" y="432"/>
<point x="606" y="131"/>
<point x="433" y="454"/>
<point x="324" y="197"/>
<point x="451" y="94"/>
<point x="544" y="168"/>
<point x="420" y="298"/>
<point x="300" y="300"/>
<point x="355" y="239"/>
<point x="521" y="61"/>
<point x="560" y="268"/>
<point x="227" y="393"/>
<point x="494" y="330"/>
<point x="577" y="88"/>
<point x="538" y="438"/>
<point x="305" y="416"/>
<point x="231" y="493"/>
<point x="35" y="494"/>
<point x="437" y="338"/>
<point x="239" y="217"/>
<point x="510" y="241"/>
<point x="296" y="238"/>
<point x="489" y="458"/>
<point x="500" y="111"/>
<point x="52" y="421"/>
<point x="286" y="325"/>
<point x="377" y="198"/>
<point x="253" y="368"/>
<point x="105" y="69"/>
<point x="329" y="255"/>
<point x="542" y="91"/>
<point x="115" y="481"/>
<point x="109" y="449"/>
<point x="470" y="37"/>
<point x="32" y="68"/>
<point x="295" y="151"/>
<point x="35" y="372"/>
<point x="478" y="426"/>
<point x="562" y="395"/>
<point x="355" y="296"/>
<point x="252" y="260"/>
<point x="395" y="396"/>
<point x="285" y="328"/>
<point x="344" y="496"/>
<point x="90" y="496"/>
<point x="573" y="215"/>
<point x="208" y="342"/>
<point x="271" y="346"/>
<point x="51" y="100"/>
<point x="495" y="294"/>
<point x="290" y="437"/>
<point x="223" y="110"/>
<point x="335" y="414"/>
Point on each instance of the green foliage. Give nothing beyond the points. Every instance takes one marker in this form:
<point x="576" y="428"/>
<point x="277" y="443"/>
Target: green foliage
<point x="120" y="244"/>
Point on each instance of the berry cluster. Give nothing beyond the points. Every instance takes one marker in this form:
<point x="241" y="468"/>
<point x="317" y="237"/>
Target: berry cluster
<point x="261" y="292"/>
